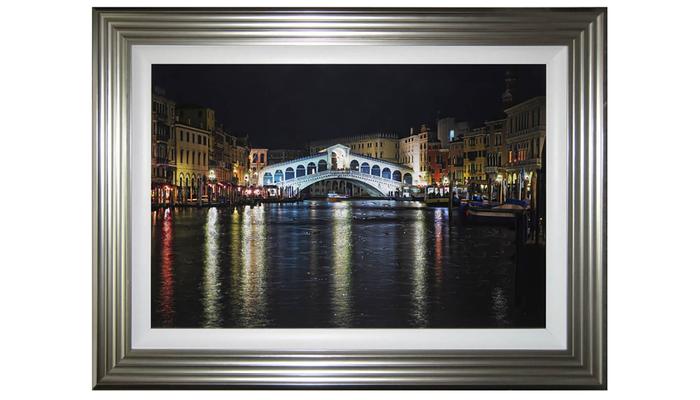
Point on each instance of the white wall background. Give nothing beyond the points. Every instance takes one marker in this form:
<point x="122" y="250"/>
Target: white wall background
<point x="45" y="144"/>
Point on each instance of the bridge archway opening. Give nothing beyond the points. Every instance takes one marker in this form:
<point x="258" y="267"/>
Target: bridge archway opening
<point x="396" y="176"/>
<point x="278" y="176"/>
<point x="301" y="171"/>
<point x="364" y="168"/>
<point x="288" y="173"/>
<point x="407" y="179"/>
<point x="386" y="173"/>
<point x="311" y="168"/>
<point x="267" y="178"/>
<point x="375" y="170"/>
<point x="322" y="166"/>
<point x="369" y="189"/>
<point x="354" y="165"/>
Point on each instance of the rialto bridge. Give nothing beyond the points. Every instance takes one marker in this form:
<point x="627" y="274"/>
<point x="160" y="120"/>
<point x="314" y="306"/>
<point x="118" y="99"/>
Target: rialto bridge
<point x="378" y="177"/>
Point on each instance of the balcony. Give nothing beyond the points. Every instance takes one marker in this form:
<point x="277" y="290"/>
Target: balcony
<point x="530" y="163"/>
<point x="164" y="161"/>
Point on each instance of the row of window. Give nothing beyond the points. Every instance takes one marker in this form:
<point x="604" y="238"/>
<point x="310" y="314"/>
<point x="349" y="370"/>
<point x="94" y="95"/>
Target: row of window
<point x="359" y="146"/>
<point x="161" y="108"/>
<point x="525" y="120"/>
<point x="258" y="156"/>
<point x="201" y="158"/>
<point x="200" y="139"/>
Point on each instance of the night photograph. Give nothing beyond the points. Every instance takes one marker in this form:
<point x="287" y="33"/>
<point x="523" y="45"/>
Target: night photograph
<point x="348" y="196"/>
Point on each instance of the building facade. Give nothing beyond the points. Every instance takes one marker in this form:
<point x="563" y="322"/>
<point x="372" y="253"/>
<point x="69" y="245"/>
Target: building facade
<point x="257" y="160"/>
<point x="163" y="163"/>
<point x="239" y="153"/>
<point x="525" y="132"/>
<point x="413" y="152"/>
<point x="437" y="160"/>
<point x="455" y="156"/>
<point x="192" y="152"/>
<point x="476" y="143"/>
<point x="384" y="146"/>
<point x="495" y="154"/>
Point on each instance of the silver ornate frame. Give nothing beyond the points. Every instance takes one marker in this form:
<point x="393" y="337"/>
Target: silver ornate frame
<point x="582" y="365"/>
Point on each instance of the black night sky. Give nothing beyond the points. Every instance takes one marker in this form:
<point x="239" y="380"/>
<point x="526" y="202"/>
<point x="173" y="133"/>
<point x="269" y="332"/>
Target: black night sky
<point x="286" y="106"/>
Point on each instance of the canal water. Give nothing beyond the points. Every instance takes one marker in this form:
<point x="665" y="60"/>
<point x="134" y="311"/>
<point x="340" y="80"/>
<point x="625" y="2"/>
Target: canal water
<point x="319" y="264"/>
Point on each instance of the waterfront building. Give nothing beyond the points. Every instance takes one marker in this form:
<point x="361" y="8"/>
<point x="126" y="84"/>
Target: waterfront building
<point x="220" y="159"/>
<point x="476" y="143"/>
<point x="239" y="154"/>
<point x="413" y="152"/>
<point x="228" y="164"/>
<point x="495" y="154"/>
<point x="192" y="155"/>
<point x="257" y="160"/>
<point x="455" y="156"/>
<point x="384" y="146"/>
<point x="163" y="164"/>
<point x="524" y="145"/>
<point x="437" y="159"/>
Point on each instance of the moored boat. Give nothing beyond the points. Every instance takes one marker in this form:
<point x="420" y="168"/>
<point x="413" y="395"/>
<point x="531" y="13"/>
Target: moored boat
<point x="484" y="212"/>
<point x="333" y="196"/>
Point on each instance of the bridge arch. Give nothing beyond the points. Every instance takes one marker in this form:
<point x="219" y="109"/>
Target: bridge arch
<point x="267" y="178"/>
<point x="373" y="191"/>
<point x="278" y="176"/>
<point x="354" y="165"/>
<point x="288" y="173"/>
<point x="386" y="173"/>
<point x="407" y="179"/>
<point x="376" y="170"/>
<point x="364" y="168"/>
<point x="396" y="176"/>
<point x="322" y="166"/>
<point x="301" y="170"/>
<point x="310" y="168"/>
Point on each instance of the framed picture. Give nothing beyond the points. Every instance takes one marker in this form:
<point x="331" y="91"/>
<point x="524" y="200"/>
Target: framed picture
<point x="349" y="198"/>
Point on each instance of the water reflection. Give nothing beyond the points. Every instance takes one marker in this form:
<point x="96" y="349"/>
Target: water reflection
<point x="342" y="256"/>
<point x="236" y="266"/>
<point x="253" y="272"/>
<point x="419" y="287"/>
<point x="166" y="294"/>
<point x="368" y="264"/>
<point x="439" y="220"/>
<point x="211" y="290"/>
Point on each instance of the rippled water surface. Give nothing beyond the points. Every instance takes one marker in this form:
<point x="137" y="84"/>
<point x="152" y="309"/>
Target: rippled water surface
<point x="315" y="264"/>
